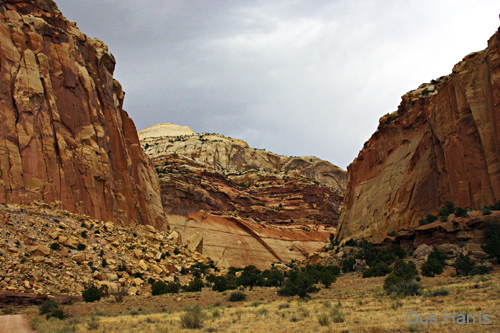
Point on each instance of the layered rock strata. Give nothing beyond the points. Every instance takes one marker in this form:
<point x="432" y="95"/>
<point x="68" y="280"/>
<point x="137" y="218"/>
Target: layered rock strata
<point x="64" y="134"/>
<point x="251" y="206"/>
<point x="441" y="144"/>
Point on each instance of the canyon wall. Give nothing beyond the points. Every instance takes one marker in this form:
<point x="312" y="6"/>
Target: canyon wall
<point x="250" y="206"/>
<point x="441" y="144"/>
<point x="65" y="137"/>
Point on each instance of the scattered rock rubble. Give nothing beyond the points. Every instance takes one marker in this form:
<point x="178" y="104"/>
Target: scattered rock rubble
<point x="51" y="251"/>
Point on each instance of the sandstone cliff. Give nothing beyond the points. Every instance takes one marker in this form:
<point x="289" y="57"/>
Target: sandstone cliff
<point x="249" y="205"/>
<point x="441" y="144"/>
<point x="64" y="134"/>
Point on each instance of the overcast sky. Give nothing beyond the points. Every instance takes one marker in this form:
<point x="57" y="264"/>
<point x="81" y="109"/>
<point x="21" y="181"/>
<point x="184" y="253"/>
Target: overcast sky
<point x="296" y="77"/>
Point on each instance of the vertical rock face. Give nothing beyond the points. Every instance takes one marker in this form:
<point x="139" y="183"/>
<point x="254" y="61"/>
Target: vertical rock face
<point x="64" y="135"/>
<point x="441" y="144"/>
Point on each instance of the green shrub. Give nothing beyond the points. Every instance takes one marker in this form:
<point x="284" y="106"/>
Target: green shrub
<point x="348" y="264"/>
<point x="461" y="212"/>
<point x="298" y="283"/>
<point x="237" y="296"/>
<point x="160" y="288"/>
<point x="463" y="265"/>
<point x="273" y="277"/>
<point x="379" y="269"/>
<point x="327" y="279"/>
<point x="432" y="267"/>
<point x="429" y="218"/>
<point x="398" y="251"/>
<point x="55" y="246"/>
<point x="195" y="285"/>
<point x="405" y="288"/>
<point x="495" y="206"/>
<point x="91" y="293"/>
<point x="50" y="308"/>
<point x="392" y="279"/>
<point x="81" y="247"/>
<point x="447" y="209"/>
<point x="435" y="263"/>
<point x="492" y="233"/>
<point x="193" y="318"/>
<point x="480" y="270"/>
<point x="400" y="281"/>
<point x="47" y="307"/>
<point x="441" y="292"/>
<point x="251" y="277"/>
<point x="486" y="211"/>
<point x="324" y="319"/>
<point x="407" y="270"/>
<point x="223" y="283"/>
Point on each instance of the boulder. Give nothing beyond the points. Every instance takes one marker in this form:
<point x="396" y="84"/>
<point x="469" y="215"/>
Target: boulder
<point x="40" y="250"/>
<point x="195" y="243"/>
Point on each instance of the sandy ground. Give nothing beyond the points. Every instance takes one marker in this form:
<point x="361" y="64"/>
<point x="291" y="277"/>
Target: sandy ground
<point x="14" y="324"/>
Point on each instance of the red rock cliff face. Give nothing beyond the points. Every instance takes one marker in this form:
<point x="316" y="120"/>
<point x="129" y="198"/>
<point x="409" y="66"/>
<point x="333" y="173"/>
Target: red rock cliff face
<point x="442" y="144"/>
<point x="64" y="135"/>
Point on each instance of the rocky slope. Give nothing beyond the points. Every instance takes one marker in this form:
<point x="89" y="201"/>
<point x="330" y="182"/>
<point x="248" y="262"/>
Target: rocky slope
<point x="47" y="250"/>
<point x="64" y="136"/>
<point x="251" y="206"/>
<point x="441" y="144"/>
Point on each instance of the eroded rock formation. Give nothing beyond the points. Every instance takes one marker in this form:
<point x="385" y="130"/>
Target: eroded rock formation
<point x="251" y="206"/>
<point x="441" y="144"/>
<point x="64" y="136"/>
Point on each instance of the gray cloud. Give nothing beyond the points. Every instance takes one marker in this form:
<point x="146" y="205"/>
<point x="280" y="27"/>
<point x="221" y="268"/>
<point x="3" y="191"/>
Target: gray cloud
<point x="296" y="77"/>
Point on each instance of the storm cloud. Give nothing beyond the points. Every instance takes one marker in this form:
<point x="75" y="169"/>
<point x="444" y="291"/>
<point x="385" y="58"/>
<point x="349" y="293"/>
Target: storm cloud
<point x="296" y="77"/>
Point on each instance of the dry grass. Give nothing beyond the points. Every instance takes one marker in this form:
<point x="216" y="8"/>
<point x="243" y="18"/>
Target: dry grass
<point x="352" y="304"/>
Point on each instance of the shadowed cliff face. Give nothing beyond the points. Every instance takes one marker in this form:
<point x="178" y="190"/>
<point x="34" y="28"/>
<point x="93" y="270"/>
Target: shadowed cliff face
<point x="442" y="144"/>
<point x="64" y="134"/>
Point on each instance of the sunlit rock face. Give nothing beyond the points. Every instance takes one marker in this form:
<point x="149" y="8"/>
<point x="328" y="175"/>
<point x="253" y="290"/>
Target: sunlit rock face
<point x="64" y="135"/>
<point x="441" y="144"/>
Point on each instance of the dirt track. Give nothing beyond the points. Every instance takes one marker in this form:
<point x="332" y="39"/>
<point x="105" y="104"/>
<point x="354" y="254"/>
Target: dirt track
<point x="14" y="324"/>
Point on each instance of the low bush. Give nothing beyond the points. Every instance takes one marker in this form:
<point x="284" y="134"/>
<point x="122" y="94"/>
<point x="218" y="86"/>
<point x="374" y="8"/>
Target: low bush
<point x="223" y="283"/>
<point x="92" y="293"/>
<point x="405" y="288"/>
<point x="440" y="292"/>
<point x="495" y="206"/>
<point x="195" y="285"/>
<point x="435" y="263"/>
<point x="273" y="277"/>
<point x="461" y="212"/>
<point x="323" y="319"/>
<point x="401" y="280"/>
<point x="464" y="265"/>
<point x="237" y="296"/>
<point x="298" y="283"/>
<point x="50" y="308"/>
<point x="379" y="269"/>
<point x="160" y="288"/>
<point x="251" y="277"/>
<point x="486" y="211"/>
<point x="193" y="318"/>
<point x="492" y="233"/>
<point x="447" y="209"/>
<point x="347" y="264"/>
<point x="55" y="246"/>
